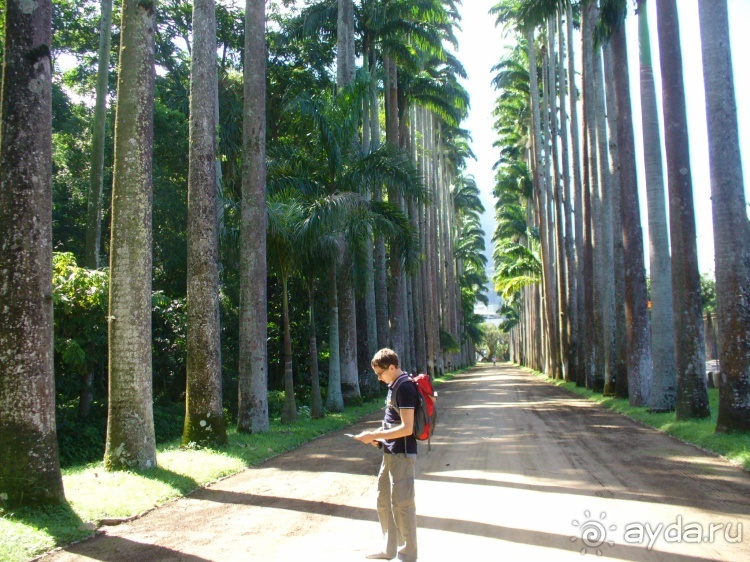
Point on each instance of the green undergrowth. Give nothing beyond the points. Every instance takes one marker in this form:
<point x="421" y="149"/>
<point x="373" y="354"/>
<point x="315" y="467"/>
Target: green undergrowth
<point x="735" y="447"/>
<point x="94" y="494"/>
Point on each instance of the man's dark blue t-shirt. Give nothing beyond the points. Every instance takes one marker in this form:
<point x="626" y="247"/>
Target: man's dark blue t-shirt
<point x="407" y="397"/>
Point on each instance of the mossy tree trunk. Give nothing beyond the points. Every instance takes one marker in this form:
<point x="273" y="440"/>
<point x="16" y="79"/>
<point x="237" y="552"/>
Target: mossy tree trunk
<point x="30" y="469"/>
<point x="131" y="441"/>
<point x="729" y="218"/>
<point x="253" y="367"/>
<point x="204" y="419"/>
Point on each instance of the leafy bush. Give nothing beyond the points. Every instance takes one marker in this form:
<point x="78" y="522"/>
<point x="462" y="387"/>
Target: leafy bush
<point x="80" y="301"/>
<point x="169" y="345"/>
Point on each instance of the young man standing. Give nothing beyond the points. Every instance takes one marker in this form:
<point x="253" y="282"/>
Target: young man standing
<point x="396" y="508"/>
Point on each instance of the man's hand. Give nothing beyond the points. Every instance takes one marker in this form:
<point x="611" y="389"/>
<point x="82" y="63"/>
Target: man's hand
<point x="366" y="437"/>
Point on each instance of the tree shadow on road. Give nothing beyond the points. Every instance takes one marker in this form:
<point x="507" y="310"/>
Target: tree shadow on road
<point x="116" y="549"/>
<point x="476" y="528"/>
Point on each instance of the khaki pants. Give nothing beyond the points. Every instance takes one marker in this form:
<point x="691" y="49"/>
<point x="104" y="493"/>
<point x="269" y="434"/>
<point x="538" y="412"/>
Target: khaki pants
<point x="397" y="512"/>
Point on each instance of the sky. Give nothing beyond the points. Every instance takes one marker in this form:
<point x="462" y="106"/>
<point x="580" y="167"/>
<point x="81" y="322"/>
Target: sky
<point x="481" y="45"/>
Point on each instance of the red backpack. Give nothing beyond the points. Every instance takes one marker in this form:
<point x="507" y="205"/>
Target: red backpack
<point x="425" y="414"/>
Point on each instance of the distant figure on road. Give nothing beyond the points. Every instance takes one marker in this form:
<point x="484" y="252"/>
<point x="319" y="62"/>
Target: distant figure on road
<point x="397" y="511"/>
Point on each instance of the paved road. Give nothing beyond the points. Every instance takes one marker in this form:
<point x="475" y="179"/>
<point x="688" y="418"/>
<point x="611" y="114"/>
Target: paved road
<point x="520" y="470"/>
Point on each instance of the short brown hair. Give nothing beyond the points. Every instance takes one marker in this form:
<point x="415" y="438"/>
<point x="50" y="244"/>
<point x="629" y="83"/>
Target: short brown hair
<point x="385" y="358"/>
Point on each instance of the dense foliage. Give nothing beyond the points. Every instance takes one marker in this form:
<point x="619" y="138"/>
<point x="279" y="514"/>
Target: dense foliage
<point x="301" y="96"/>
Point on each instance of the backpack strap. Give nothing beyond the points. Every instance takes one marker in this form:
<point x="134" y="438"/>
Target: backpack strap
<point x="396" y="385"/>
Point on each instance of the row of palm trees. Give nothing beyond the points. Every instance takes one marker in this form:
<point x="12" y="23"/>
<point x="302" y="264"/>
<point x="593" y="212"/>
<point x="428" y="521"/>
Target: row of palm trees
<point x="569" y="255"/>
<point x="389" y="223"/>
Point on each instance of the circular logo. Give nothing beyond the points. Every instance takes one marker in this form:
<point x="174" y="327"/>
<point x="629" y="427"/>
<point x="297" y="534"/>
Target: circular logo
<point x="593" y="532"/>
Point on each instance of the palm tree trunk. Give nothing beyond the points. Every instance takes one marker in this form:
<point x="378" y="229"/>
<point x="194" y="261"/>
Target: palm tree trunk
<point x="542" y="213"/>
<point x="594" y="367"/>
<point x="345" y="66"/>
<point x="663" y="390"/>
<point x="603" y="256"/>
<point x="692" y="395"/>
<point x="586" y="374"/>
<point x="370" y="319"/>
<point x="438" y="245"/>
<point x="729" y="219"/>
<point x="131" y="441"/>
<point x="640" y="369"/>
<point x="575" y="149"/>
<point x="570" y="254"/>
<point x="348" y="332"/>
<point x="395" y="293"/>
<point x="96" y="178"/>
<point x="289" y="413"/>
<point x="253" y="364"/>
<point x="619" y="350"/>
<point x="316" y="401"/>
<point x="30" y="469"/>
<point x="204" y="416"/>
<point x="381" y="285"/>
<point x="561" y="264"/>
<point x="415" y="280"/>
<point x="334" y="400"/>
<point x="369" y="322"/>
<point x="366" y="129"/>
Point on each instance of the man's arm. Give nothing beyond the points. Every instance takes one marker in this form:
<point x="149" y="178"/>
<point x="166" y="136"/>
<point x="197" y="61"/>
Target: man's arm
<point x="404" y="429"/>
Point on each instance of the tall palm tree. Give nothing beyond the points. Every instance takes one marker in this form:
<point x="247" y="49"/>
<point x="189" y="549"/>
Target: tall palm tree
<point x="253" y="367"/>
<point x="663" y="391"/>
<point x="284" y="218"/>
<point x="131" y="440"/>
<point x="729" y="219"/>
<point x="331" y="166"/>
<point x="96" y="179"/>
<point x="345" y="70"/>
<point x="96" y="173"/>
<point x="577" y="196"/>
<point x="619" y="346"/>
<point x="30" y="471"/>
<point x="570" y="254"/>
<point x="316" y="246"/>
<point x="403" y="30"/>
<point x="204" y="417"/>
<point x="640" y="369"/>
<point x="692" y="394"/>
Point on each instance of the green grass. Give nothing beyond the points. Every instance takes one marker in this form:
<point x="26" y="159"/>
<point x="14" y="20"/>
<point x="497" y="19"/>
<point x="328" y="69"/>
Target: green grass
<point x="94" y="494"/>
<point x="735" y="447"/>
